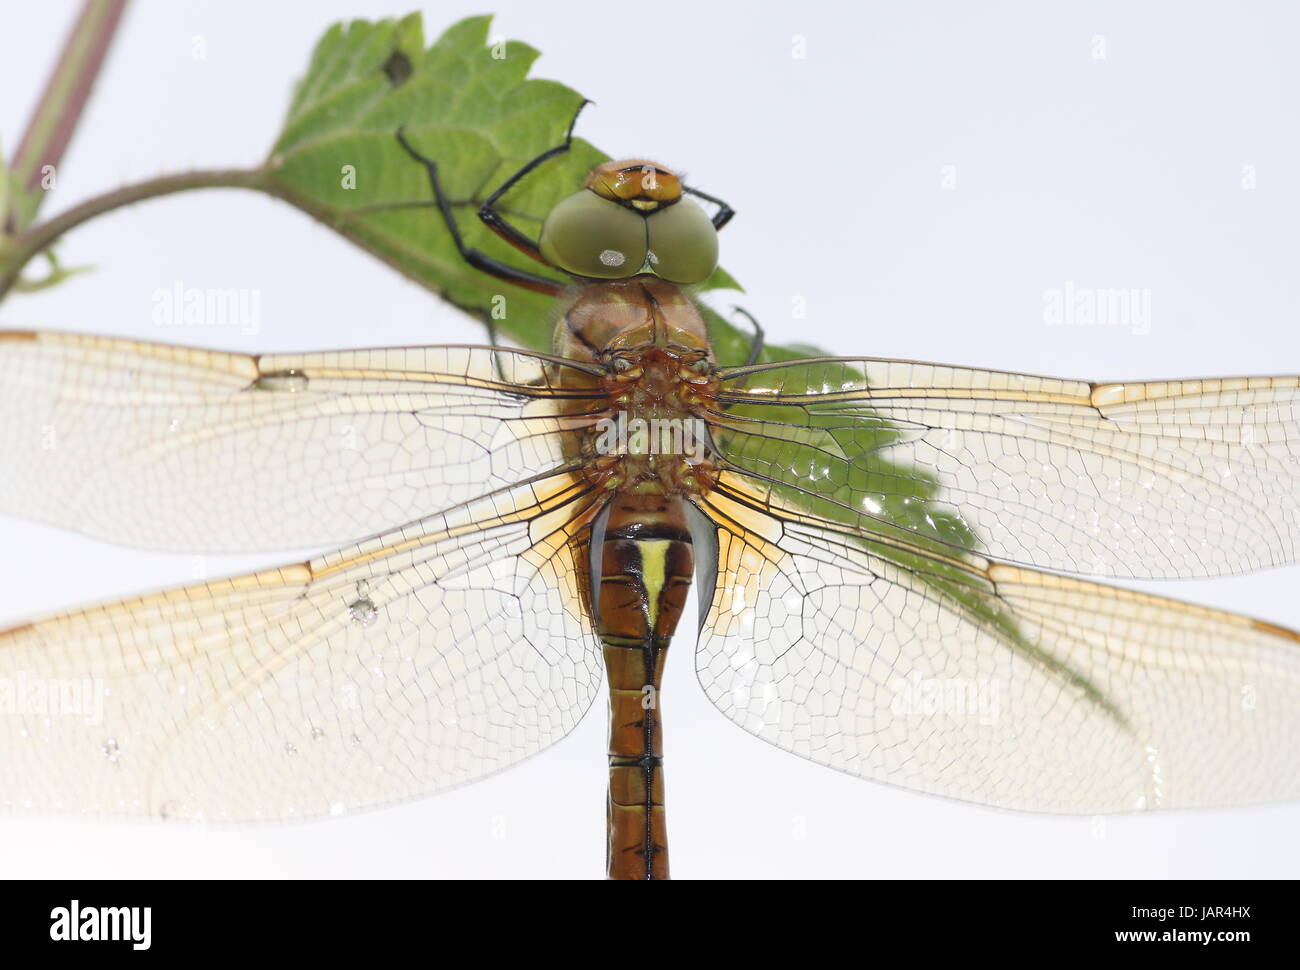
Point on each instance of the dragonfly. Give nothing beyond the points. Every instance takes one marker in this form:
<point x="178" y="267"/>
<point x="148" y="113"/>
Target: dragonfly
<point x="889" y="557"/>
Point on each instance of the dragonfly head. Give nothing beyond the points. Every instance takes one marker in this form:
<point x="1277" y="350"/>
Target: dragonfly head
<point x="630" y="218"/>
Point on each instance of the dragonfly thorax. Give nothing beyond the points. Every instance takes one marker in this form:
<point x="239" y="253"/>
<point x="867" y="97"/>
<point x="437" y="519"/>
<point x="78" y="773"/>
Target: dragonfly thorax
<point x="652" y="436"/>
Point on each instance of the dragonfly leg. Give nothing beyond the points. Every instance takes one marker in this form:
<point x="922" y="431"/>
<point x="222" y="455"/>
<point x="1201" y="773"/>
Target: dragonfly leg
<point x="724" y="213"/>
<point x="476" y="258"/>
<point x="494" y="342"/>
<point x="756" y="345"/>
<point x="497" y="222"/>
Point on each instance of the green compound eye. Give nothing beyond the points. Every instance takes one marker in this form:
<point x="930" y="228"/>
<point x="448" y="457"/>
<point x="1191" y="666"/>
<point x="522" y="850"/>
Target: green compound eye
<point x="590" y="236"/>
<point x="683" y="243"/>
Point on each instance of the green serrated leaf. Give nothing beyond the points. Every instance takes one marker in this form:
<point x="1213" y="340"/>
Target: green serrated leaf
<point x="466" y="104"/>
<point x="823" y="458"/>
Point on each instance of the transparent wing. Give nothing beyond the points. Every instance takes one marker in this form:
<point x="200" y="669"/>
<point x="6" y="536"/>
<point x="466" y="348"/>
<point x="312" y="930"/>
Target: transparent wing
<point x="413" y="662"/>
<point x="167" y="447"/>
<point x="992" y="683"/>
<point x="1153" y="480"/>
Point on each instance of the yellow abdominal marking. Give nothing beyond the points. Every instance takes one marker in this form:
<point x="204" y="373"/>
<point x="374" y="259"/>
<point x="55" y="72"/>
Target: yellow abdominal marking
<point x="654" y="567"/>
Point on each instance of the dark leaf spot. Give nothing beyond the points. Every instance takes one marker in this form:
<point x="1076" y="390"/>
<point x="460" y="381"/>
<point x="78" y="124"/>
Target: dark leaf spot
<point x="398" y="68"/>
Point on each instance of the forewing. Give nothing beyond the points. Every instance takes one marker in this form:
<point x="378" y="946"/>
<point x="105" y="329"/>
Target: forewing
<point x="1154" y="480"/>
<point x="992" y="683"/>
<point x="175" y="448"/>
<point x="428" y="657"/>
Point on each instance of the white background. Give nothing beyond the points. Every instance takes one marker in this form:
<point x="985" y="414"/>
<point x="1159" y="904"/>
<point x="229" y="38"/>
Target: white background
<point x="1122" y="171"/>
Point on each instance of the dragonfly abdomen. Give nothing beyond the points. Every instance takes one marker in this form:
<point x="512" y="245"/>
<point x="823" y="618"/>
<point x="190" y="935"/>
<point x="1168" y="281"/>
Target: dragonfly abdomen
<point x="646" y="563"/>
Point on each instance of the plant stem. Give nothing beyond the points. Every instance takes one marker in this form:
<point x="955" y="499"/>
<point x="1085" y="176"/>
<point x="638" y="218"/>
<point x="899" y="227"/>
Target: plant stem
<point x="15" y="253"/>
<point x="66" y="92"/>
